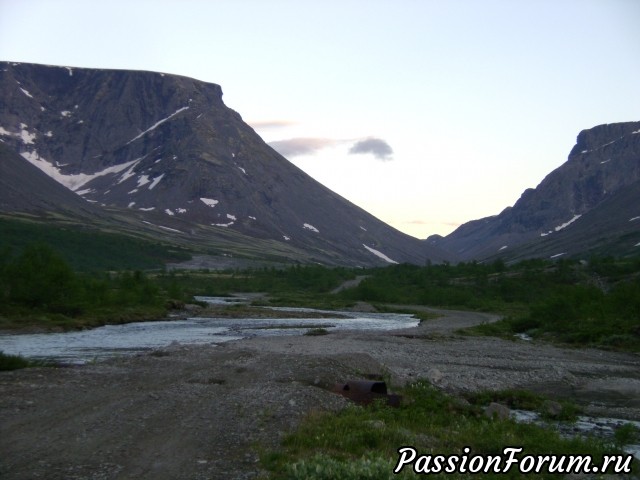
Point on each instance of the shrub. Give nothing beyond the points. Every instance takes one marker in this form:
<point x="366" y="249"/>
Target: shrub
<point x="313" y="332"/>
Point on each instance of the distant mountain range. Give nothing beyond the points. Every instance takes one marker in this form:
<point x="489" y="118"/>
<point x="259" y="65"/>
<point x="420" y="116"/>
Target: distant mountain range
<point x="588" y="205"/>
<point x="160" y="156"/>
<point x="163" y="153"/>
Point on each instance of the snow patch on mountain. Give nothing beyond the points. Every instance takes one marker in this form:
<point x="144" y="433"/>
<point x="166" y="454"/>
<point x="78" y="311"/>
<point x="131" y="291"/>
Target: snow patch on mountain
<point x="143" y="180"/>
<point x="379" y="254"/>
<point x="74" y="181"/>
<point x="156" y="125"/>
<point x="156" y="181"/>
<point x="209" y="202"/>
<point x="223" y="224"/>
<point x="169" y="229"/>
<point x="129" y="173"/>
<point x="24" y="135"/>
<point x="308" y="226"/>
<point x="561" y="226"/>
<point x="566" y="224"/>
<point x="27" y="138"/>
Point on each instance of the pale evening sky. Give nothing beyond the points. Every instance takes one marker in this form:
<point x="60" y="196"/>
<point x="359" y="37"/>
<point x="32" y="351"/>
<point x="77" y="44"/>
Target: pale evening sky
<point x="425" y="113"/>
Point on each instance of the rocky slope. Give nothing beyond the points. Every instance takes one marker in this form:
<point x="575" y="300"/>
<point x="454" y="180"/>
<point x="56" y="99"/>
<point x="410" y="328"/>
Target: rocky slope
<point x="24" y="188"/>
<point x="166" y="151"/>
<point x="586" y="204"/>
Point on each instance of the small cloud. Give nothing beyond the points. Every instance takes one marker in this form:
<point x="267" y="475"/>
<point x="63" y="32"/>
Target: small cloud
<point x="271" y="123"/>
<point x="376" y="146"/>
<point x="301" y="146"/>
<point x="417" y="222"/>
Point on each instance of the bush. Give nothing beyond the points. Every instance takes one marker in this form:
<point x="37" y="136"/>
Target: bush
<point x="39" y="277"/>
<point x="13" y="362"/>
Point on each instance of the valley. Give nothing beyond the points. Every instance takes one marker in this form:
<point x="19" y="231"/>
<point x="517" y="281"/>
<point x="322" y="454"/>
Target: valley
<point x="230" y="410"/>
<point x="128" y="196"/>
<point x="190" y="412"/>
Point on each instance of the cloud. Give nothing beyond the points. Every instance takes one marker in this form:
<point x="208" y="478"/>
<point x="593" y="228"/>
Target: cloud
<point x="301" y="146"/>
<point x="271" y="123"/>
<point x="376" y="146"/>
<point x="293" y="147"/>
<point x="417" y="222"/>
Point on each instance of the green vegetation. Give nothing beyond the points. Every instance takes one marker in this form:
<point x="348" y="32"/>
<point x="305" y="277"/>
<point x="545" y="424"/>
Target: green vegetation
<point x="315" y="332"/>
<point x="594" y="303"/>
<point x="89" y="249"/>
<point x="38" y="288"/>
<point x="627" y="434"/>
<point x="363" y="442"/>
<point x="526" y="400"/>
<point x="15" y="362"/>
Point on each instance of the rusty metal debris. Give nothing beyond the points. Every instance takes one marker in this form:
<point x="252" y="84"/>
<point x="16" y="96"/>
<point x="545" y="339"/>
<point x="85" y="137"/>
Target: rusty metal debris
<point x="364" y="392"/>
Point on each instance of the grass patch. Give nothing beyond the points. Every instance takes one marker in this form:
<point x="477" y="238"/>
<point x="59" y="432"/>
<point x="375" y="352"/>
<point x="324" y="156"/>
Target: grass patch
<point x="16" y="362"/>
<point x="316" y="332"/>
<point x="526" y="400"/>
<point x="361" y="442"/>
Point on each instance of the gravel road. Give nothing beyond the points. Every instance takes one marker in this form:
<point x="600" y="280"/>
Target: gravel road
<point x="205" y="412"/>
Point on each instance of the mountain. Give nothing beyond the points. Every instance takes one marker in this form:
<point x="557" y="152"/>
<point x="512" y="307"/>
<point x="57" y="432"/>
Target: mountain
<point x="591" y="203"/>
<point x="163" y="153"/>
<point x="24" y="188"/>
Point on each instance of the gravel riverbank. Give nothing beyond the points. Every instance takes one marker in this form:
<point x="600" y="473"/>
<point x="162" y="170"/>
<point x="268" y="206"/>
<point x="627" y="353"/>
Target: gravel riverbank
<point x="205" y="412"/>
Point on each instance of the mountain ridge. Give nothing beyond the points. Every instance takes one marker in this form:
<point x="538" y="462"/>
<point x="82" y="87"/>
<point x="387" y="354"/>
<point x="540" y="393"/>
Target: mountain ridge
<point x="604" y="161"/>
<point x="164" y="148"/>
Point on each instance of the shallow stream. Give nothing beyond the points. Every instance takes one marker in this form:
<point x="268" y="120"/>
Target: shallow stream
<point x="132" y="338"/>
<point x="602" y="427"/>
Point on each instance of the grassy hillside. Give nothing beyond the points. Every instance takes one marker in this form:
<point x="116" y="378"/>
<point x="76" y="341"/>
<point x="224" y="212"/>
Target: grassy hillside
<point x="89" y="249"/>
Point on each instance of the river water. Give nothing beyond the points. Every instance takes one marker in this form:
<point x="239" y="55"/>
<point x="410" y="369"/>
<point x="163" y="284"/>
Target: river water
<point x="133" y="338"/>
<point x="602" y="427"/>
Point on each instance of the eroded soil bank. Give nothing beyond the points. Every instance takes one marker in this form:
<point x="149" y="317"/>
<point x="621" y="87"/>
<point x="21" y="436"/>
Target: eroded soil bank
<point x="204" y="412"/>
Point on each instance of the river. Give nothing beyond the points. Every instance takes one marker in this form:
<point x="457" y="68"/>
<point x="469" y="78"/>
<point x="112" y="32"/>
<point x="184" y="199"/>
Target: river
<point x="84" y="346"/>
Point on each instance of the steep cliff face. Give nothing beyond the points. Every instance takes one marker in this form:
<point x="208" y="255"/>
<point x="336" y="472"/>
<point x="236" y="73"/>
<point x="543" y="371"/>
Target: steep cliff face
<point x="167" y="149"/>
<point x="602" y="164"/>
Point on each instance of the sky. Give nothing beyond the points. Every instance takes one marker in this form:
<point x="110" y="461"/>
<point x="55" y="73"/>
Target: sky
<point x="426" y="113"/>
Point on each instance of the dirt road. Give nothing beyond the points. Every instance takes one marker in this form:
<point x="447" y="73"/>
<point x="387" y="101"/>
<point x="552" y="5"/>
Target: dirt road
<point x="204" y="412"/>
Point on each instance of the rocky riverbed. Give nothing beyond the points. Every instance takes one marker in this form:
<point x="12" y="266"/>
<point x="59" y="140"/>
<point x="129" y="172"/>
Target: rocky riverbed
<point x="205" y="412"/>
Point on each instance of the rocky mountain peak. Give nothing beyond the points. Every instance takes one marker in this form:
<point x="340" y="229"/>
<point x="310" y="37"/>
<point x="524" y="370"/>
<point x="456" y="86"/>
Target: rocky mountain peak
<point x="604" y="162"/>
